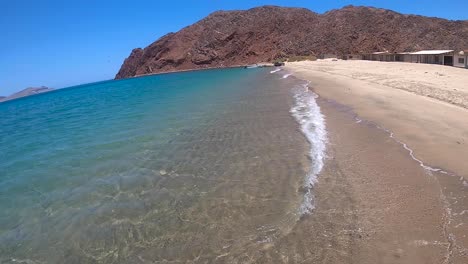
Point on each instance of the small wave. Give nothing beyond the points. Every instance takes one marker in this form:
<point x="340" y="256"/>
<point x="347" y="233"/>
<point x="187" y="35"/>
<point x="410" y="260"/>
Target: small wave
<point x="312" y="122"/>
<point x="286" y="75"/>
<point x="277" y="70"/>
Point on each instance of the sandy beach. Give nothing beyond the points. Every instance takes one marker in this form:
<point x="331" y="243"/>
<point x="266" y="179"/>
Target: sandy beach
<point x="426" y="106"/>
<point x="401" y="211"/>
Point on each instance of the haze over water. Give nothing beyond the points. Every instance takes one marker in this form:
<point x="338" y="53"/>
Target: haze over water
<point x="205" y="166"/>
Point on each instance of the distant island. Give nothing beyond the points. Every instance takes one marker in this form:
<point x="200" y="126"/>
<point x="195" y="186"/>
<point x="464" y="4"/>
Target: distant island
<point x="26" y="92"/>
<point x="270" y="33"/>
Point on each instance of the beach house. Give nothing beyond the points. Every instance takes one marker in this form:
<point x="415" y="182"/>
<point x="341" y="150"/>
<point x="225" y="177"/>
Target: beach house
<point x="381" y="56"/>
<point x="460" y="59"/>
<point x="378" y="56"/>
<point x="465" y="52"/>
<point x="442" y="57"/>
<point x="405" y="57"/>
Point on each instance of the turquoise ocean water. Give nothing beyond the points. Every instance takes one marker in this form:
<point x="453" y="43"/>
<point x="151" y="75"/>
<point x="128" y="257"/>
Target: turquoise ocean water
<point x="196" y="166"/>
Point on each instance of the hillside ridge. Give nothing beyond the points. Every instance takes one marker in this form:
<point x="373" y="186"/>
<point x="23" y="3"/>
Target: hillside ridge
<point x="268" y="33"/>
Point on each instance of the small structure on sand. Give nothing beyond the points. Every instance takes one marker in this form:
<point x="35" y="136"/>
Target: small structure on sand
<point x="404" y="57"/>
<point x="381" y="56"/>
<point x="442" y="57"/>
<point x="460" y="59"/>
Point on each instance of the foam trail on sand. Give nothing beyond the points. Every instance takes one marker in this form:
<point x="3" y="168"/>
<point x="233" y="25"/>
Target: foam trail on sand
<point x="405" y="146"/>
<point x="276" y="70"/>
<point x="312" y="122"/>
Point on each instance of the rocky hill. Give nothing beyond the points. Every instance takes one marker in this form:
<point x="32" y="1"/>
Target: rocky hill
<point x="26" y="92"/>
<point x="262" y="34"/>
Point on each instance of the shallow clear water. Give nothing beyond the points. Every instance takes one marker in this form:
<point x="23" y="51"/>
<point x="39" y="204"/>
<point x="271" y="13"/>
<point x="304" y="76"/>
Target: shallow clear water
<point x="195" y="166"/>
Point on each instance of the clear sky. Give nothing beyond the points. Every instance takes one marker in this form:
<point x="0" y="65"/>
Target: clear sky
<point x="59" y="43"/>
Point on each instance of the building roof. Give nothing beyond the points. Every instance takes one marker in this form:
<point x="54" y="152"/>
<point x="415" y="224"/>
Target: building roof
<point x="431" y="52"/>
<point x="380" y="52"/>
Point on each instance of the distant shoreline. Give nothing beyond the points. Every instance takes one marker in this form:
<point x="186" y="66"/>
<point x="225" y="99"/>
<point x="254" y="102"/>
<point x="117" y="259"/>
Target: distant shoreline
<point x="26" y="93"/>
<point x="7" y="99"/>
<point x="196" y="69"/>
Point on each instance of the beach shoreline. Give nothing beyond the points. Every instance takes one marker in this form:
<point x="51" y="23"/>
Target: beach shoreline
<point x="400" y="211"/>
<point x="242" y="66"/>
<point x="234" y="174"/>
<point x="434" y="129"/>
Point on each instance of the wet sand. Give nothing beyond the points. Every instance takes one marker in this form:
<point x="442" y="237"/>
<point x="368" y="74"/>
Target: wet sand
<point x="432" y="123"/>
<point x="375" y="204"/>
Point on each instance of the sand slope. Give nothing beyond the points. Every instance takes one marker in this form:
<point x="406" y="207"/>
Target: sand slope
<point x="426" y="106"/>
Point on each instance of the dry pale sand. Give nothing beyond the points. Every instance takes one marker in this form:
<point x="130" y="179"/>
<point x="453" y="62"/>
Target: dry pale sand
<point x="426" y="106"/>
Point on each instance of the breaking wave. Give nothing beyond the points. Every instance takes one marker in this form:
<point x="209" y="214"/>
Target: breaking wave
<point x="286" y="75"/>
<point x="276" y="70"/>
<point x="312" y="122"/>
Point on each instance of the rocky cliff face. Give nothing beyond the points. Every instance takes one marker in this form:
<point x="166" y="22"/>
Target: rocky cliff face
<point x="228" y="38"/>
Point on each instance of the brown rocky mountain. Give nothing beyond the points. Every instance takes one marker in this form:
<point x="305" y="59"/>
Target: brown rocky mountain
<point x="263" y="34"/>
<point x="26" y="92"/>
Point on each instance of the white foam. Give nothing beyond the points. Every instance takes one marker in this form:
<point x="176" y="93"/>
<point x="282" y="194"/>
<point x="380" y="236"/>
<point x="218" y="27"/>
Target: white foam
<point x="277" y="70"/>
<point x="312" y="122"/>
<point x="286" y="75"/>
<point x="405" y="146"/>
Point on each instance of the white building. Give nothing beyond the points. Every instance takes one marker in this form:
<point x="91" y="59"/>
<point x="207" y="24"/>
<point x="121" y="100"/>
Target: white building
<point x="405" y="57"/>
<point x="381" y="56"/>
<point x="442" y="57"/>
<point x="460" y="59"/>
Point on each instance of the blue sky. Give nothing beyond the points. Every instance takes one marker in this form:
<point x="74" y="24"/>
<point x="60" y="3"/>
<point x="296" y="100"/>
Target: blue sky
<point x="59" y="43"/>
